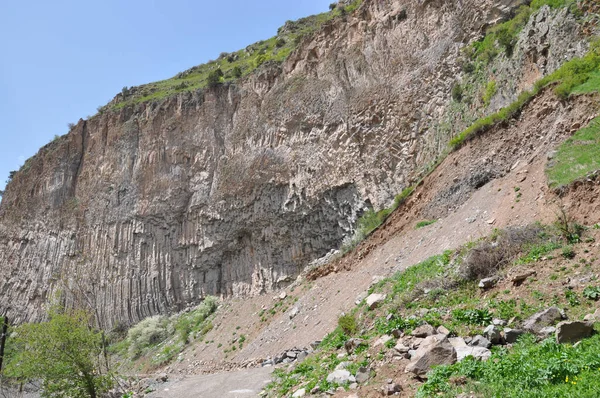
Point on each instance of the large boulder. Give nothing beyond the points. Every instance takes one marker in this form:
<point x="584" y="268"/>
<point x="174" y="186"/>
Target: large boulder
<point x="340" y="376"/>
<point x="434" y="350"/>
<point x="572" y="332"/>
<point x="480" y="341"/>
<point x="540" y="320"/>
<point x="492" y="333"/>
<point x="424" y="331"/>
<point x="511" y="335"/>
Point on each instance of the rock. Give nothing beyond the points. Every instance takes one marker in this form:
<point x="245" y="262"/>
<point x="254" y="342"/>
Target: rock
<point x="435" y="350"/>
<point x="397" y="333"/>
<point x="362" y="375"/>
<point x="572" y="332"/>
<point x="291" y="354"/>
<point x="443" y="330"/>
<point x="302" y="356"/>
<point x="492" y="333"/>
<point x="163" y="378"/>
<point x="511" y="335"/>
<point x="315" y="344"/>
<point x="382" y="340"/>
<point x="315" y="390"/>
<point x="299" y="393"/>
<point x="343" y="365"/>
<point x="424" y="331"/>
<point x="401" y="348"/>
<point x="353" y="386"/>
<point x="352" y="344"/>
<point x="282" y="295"/>
<point x="480" y="353"/>
<point x="488" y="283"/>
<point x="295" y="311"/>
<point x="595" y="317"/>
<point x="457" y="342"/>
<point x="374" y="300"/>
<point x="376" y="279"/>
<point x="498" y="322"/>
<point x="480" y="341"/>
<point x="538" y="321"/>
<point x="520" y="278"/>
<point x="340" y="376"/>
<point x="391" y="389"/>
<point x="360" y="298"/>
<point x="546" y="332"/>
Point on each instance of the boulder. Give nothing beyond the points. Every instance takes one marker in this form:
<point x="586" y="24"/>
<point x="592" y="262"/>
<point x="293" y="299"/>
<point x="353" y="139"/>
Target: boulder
<point x="572" y="332"/>
<point x="295" y="311"/>
<point x="382" y="340"/>
<point x="492" y="333"/>
<point x="488" y="283"/>
<point x="391" y="389"/>
<point x="443" y="330"/>
<point x="511" y="335"/>
<point x="374" y="300"/>
<point x="340" y="376"/>
<point x="480" y="341"/>
<point x="424" y="331"/>
<point x="352" y="344"/>
<point x="595" y="317"/>
<point x="401" y="348"/>
<point x="540" y="320"/>
<point x="434" y="350"/>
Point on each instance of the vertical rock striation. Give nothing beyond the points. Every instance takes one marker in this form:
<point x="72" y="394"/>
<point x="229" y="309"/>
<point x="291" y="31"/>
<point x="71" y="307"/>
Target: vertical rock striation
<point x="232" y="190"/>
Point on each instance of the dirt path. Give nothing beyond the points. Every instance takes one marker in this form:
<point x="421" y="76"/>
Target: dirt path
<point x="240" y="384"/>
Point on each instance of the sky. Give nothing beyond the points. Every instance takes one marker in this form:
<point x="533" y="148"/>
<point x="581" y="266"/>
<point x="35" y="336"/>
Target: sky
<point x="61" y="59"/>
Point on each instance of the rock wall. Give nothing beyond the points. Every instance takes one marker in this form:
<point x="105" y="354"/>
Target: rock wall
<point x="232" y="190"/>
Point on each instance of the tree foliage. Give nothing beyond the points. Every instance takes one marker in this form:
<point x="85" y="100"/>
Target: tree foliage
<point x="65" y="353"/>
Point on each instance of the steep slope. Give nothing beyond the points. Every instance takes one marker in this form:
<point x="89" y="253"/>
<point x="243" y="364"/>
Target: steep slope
<point x="232" y="190"/>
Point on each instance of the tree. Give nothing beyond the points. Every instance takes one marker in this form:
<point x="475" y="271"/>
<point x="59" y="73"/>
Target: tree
<point x="64" y="352"/>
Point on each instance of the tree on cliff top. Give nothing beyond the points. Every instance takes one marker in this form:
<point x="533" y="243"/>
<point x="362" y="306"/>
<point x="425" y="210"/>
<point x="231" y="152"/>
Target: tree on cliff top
<point x="64" y="352"/>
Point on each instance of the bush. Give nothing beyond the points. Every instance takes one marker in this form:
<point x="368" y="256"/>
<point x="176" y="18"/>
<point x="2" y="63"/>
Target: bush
<point x="473" y="317"/>
<point x="147" y="333"/>
<point x="457" y="92"/>
<point x="214" y="78"/>
<point x="348" y="324"/>
<point x="490" y="91"/>
<point x="592" y="293"/>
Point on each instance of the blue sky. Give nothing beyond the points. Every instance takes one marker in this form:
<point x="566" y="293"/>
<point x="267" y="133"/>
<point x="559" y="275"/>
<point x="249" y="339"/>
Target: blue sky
<point x="60" y="60"/>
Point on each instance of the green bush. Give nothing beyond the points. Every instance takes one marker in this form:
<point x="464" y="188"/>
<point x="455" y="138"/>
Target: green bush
<point x="490" y="91"/>
<point x="348" y="324"/>
<point x="481" y="317"/>
<point x="592" y="293"/>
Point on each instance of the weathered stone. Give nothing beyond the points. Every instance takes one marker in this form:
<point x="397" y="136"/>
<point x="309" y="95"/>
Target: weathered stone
<point x="443" y="330"/>
<point x="546" y="332"/>
<point x="374" y="300"/>
<point x="488" y="283"/>
<point x="424" y="331"/>
<point x="511" y="335"/>
<point x="295" y="311"/>
<point x="480" y="353"/>
<point x="435" y="350"/>
<point x="538" y="321"/>
<point x="352" y="344"/>
<point x="572" y="332"/>
<point x="480" y="341"/>
<point x="340" y="376"/>
<point x="498" y="322"/>
<point x="492" y="333"/>
<point x="362" y="375"/>
<point x="299" y="393"/>
<point x="520" y="278"/>
<point x="382" y="340"/>
<point x="391" y="389"/>
<point x="401" y="348"/>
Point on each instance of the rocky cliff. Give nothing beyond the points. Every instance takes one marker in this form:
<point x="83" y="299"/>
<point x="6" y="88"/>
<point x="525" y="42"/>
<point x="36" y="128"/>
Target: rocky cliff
<point x="232" y="190"/>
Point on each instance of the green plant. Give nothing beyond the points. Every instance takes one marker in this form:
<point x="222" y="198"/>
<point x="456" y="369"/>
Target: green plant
<point x="457" y="92"/>
<point x="64" y="353"/>
<point x="490" y="91"/>
<point x="348" y="324"/>
<point x="572" y="298"/>
<point x="481" y="317"/>
<point x="568" y="252"/>
<point x="592" y="293"/>
<point x="424" y="223"/>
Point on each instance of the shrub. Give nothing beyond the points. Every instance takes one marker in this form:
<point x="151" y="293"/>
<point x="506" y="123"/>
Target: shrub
<point x="568" y="252"/>
<point x="148" y="332"/>
<point x="592" y="293"/>
<point x="473" y="317"/>
<point x="457" y="92"/>
<point x="237" y="72"/>
<point x="214" y="78"/>
<point x="348" y="324"/>
<point x="490" y="91"/>
<point x="424" y="223"/>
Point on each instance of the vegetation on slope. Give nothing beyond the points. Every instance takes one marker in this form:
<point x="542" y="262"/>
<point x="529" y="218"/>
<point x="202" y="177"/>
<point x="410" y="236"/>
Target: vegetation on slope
<point x="442" y="291"/>
<point x="232" y="66"/>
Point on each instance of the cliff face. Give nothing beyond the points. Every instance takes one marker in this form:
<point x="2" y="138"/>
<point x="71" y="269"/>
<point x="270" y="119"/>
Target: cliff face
<point x="233" y="190"/>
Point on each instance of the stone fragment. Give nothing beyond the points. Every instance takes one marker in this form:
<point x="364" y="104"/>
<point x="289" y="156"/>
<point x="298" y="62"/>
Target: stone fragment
<point x="295" y="311"/>
<point x="520" y="278"/>
<point x="352" y="344"/>
<point x="401" y="348"/>
<point x="362" y="375"/>
<point x="340" y="376"/>
<point x="382" y="340"/>
<point x="435" y="350"/>
<point x="443" y="330"/>
<point x="282" y="295"/>
<point x="498" y="322"/>
<point x="299" y="393"/>
<point x="391" y="389"/>
<point x="374" y="300"/>
<point x="488" y="283"/>
<point x="546" y="332"/>
<point x="492" y="333"/>
<point x="511" y="335"/>
<point x="540" y="320"/>
<point x="572" y="332"/>
<point x="480" y="353"/>
<point x="480" y="341"/>
<point x="424" y="331"/>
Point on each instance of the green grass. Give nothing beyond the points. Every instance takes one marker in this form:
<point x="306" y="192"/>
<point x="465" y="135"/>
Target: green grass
<point x="576" y="157"/>
<point x="234" y="65"/>
<point x="535" y="252"/>
<point x="576" y="76"/>
<point x="541" y="370"/>
<point x="424" y="223"/>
